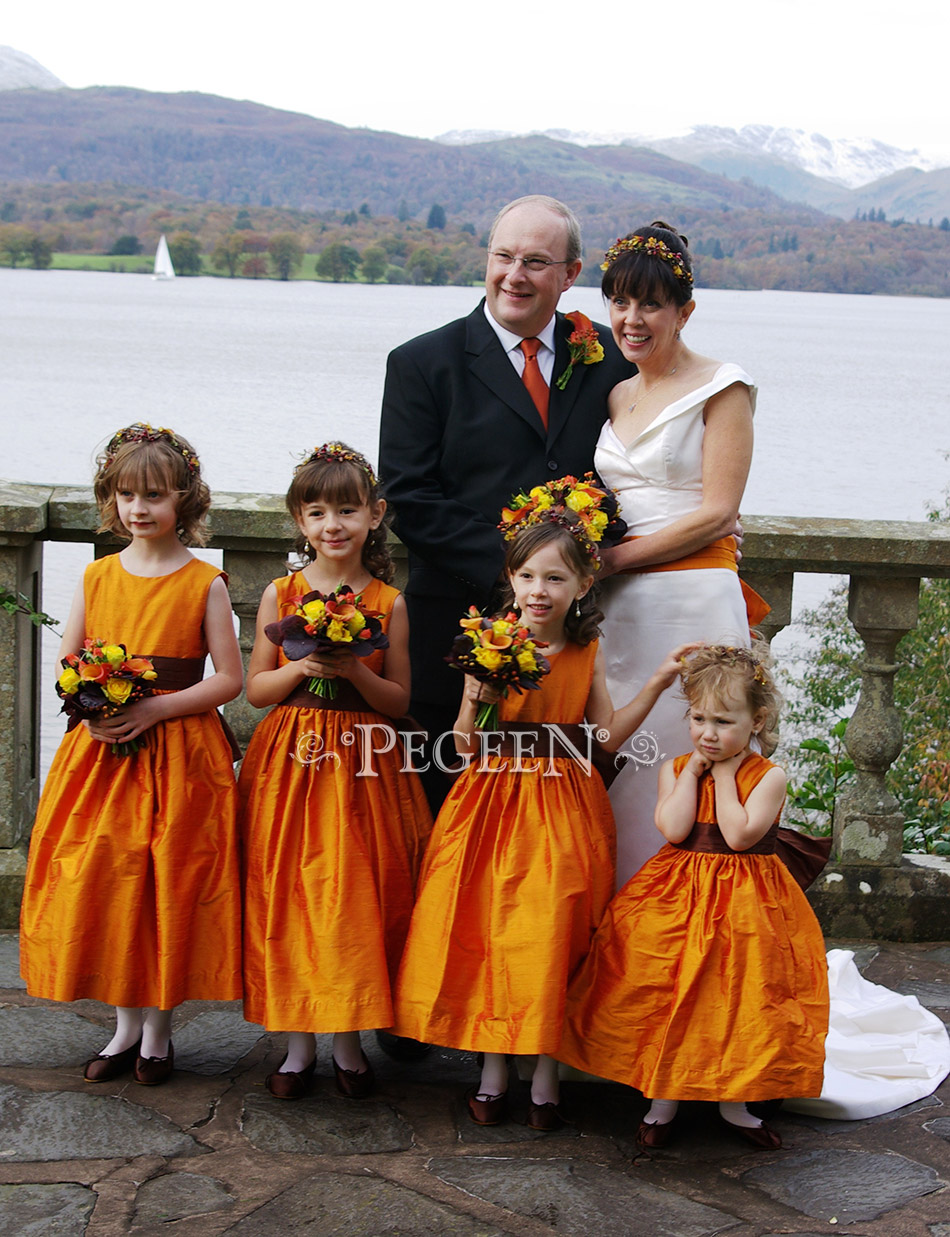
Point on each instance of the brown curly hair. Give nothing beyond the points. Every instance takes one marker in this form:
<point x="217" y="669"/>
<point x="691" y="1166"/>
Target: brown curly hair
<point x="579" y="630"/>
<point x="723" y="672"/>
<point x="338" y="481"/>
<point x="159" y="461"/>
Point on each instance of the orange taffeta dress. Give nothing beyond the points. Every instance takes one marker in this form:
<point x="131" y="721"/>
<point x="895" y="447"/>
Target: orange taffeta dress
<point x="334" y="829"/>
<point x="133" y="887"/>
<point x="515" y="880"/>
<point x="707" y="978"/>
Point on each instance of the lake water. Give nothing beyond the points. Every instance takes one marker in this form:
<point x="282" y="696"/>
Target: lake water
<point x="852" y="417"/>
<point x="852" y="414"/>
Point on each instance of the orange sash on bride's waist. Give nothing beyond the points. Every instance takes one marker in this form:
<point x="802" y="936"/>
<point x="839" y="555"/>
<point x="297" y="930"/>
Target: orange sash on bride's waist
<point x="720" y="553"/>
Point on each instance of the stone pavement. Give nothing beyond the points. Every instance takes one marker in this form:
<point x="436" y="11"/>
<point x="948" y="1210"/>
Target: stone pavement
<point x="212" y="1153"/>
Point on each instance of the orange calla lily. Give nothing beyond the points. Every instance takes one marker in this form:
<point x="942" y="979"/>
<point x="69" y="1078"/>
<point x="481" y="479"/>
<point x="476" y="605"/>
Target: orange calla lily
<point x="493" y="639"/>
<point x="96" y="672"/>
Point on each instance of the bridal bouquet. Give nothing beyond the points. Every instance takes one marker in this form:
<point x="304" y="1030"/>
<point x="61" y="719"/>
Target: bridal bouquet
<point x="323" y="623"/>
<point x="585" y="507"/>
<point x="501" y="652"/>
<point x="98" y="680"/>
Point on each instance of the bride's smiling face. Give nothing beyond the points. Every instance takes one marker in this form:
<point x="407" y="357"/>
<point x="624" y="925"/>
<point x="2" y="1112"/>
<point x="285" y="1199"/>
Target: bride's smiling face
<point x="647" y="328"/>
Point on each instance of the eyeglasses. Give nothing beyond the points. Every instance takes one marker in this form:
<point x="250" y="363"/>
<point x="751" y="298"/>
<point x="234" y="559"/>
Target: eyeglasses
<point x="532" y="264"/>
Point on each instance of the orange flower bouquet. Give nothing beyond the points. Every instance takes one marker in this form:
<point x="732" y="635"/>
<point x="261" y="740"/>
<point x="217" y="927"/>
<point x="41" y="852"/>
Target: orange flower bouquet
<point x="584" y="507"/>
<point x="323" y="623"/>
<point x="99" y="680"/>
<point x="500" y="651"/>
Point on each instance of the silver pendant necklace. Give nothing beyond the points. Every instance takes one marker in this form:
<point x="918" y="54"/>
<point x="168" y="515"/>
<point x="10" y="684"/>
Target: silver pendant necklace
<point x="644" y="394"/>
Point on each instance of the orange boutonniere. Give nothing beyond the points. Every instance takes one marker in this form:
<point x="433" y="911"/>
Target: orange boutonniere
<point x="583" y="344"/>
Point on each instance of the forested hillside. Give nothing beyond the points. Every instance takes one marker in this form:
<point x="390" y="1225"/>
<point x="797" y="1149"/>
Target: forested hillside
<point x="109" y="169"/>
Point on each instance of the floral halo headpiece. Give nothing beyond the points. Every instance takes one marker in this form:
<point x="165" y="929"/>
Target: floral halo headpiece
<point x="141" y="431"/>
<point x="654" y="248"/>
<point x="724" y="655"/>
<point x="582" y="507"/>
<point x="339" y="453"/>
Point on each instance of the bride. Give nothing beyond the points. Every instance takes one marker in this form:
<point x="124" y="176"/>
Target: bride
<point x="677" y="450"/>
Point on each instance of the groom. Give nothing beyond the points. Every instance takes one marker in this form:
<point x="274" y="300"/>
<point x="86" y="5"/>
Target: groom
<point x="470" y="417"/>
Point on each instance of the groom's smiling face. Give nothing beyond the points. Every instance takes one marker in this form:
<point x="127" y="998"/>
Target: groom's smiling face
<point x="520" y="300"/>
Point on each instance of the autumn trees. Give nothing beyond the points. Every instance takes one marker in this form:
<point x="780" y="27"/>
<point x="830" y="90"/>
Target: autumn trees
<point x="21" y="244"/>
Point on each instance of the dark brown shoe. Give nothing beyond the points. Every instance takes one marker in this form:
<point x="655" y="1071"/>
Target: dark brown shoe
<point x="763" y="1137"/>
<point x="104" y="1068"/>
<point x="151" y="1071"/>
<point x="491" y="1110"/>
<point x="355" y="1084"/>
<point x="290" y="1084"/>
<point x="545" y="1117"/>
<point x="652" y="1135"/>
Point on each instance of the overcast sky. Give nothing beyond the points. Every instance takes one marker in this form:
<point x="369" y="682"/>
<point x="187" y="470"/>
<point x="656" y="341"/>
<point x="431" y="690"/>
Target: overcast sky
<point x="843" y="68"/>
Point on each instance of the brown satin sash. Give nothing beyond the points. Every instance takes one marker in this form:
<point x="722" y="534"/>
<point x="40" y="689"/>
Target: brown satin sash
<point x="706" y="839"/>
<point x="177" y="673"/>
<point x="347" y="698"/>
<point x="803" y="855"/>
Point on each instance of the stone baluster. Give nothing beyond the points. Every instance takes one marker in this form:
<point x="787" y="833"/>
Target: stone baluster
<point x="249" y="573"/>
<point x="776" y="589"/>
<point x="23" y="510"/>
<point x="868" y="823"/>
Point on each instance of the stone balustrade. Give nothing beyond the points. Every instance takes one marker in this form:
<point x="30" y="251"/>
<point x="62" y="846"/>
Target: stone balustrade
<point x="868" y="890"/>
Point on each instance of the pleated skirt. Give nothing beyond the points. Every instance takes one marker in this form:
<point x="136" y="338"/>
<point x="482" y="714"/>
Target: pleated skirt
<point x="133" y="886"/>
<point x="706" y="981"/>
<point x="331" y="860"/>
<point x="515" y="880"/>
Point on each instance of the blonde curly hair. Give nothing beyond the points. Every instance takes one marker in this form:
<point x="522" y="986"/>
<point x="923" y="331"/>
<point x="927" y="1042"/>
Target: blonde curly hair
<point x="727" y="672"/>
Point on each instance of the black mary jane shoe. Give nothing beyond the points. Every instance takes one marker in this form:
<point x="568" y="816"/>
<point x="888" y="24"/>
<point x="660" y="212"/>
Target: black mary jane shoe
<point x="285" y="1084"/>
<point x="153" y="1071"/>
<point x="546" y="1118"/>
<point x="355" y="1084"/>
<point x="489" y="1110"/>
<point x="104" y="1068"/>
<point x="652" y="1135"/>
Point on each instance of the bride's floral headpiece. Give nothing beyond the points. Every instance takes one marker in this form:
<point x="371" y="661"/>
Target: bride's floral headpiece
<point x="654" y="248"/>
<point x="141" y="431"/>
<point x="582" y="507"/>
<point x="338" y="453"/>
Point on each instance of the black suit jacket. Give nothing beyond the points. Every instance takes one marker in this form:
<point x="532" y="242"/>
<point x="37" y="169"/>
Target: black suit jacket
<point x="459" y="435"/>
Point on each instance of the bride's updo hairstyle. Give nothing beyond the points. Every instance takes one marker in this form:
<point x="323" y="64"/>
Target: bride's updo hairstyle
<point x="649" y="264"/>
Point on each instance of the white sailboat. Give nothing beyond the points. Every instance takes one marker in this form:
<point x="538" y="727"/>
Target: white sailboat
<point x="163" y="261"/>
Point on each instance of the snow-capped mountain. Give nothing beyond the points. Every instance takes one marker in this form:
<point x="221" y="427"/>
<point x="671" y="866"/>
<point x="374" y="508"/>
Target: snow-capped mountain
<point x="850" y="162"/>
<point x="18" y="71"/>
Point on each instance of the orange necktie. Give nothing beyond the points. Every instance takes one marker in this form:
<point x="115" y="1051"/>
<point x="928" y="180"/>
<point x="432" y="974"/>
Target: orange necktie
<point x="533" y="378"/>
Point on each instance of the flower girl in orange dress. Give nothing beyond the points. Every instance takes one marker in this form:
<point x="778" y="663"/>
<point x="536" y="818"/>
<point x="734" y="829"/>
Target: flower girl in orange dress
<point x="707" y="978"/>
<point x="133" y="888"/>
<point x="521" y="862"/>
<point x="334" y="821"/>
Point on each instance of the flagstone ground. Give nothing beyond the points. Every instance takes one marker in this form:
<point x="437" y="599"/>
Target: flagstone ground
<point x="211" y="1152"/>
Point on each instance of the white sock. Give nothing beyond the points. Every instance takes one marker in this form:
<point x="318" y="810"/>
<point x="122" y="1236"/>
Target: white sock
<point x="301" y="1047"/>
<point x="128" y="1030"/>
<point x="494" y="1078"/>
<point x="738" y="1114"/>
<point x="661" y="1112"/>
<point x="156" y="1032"/>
